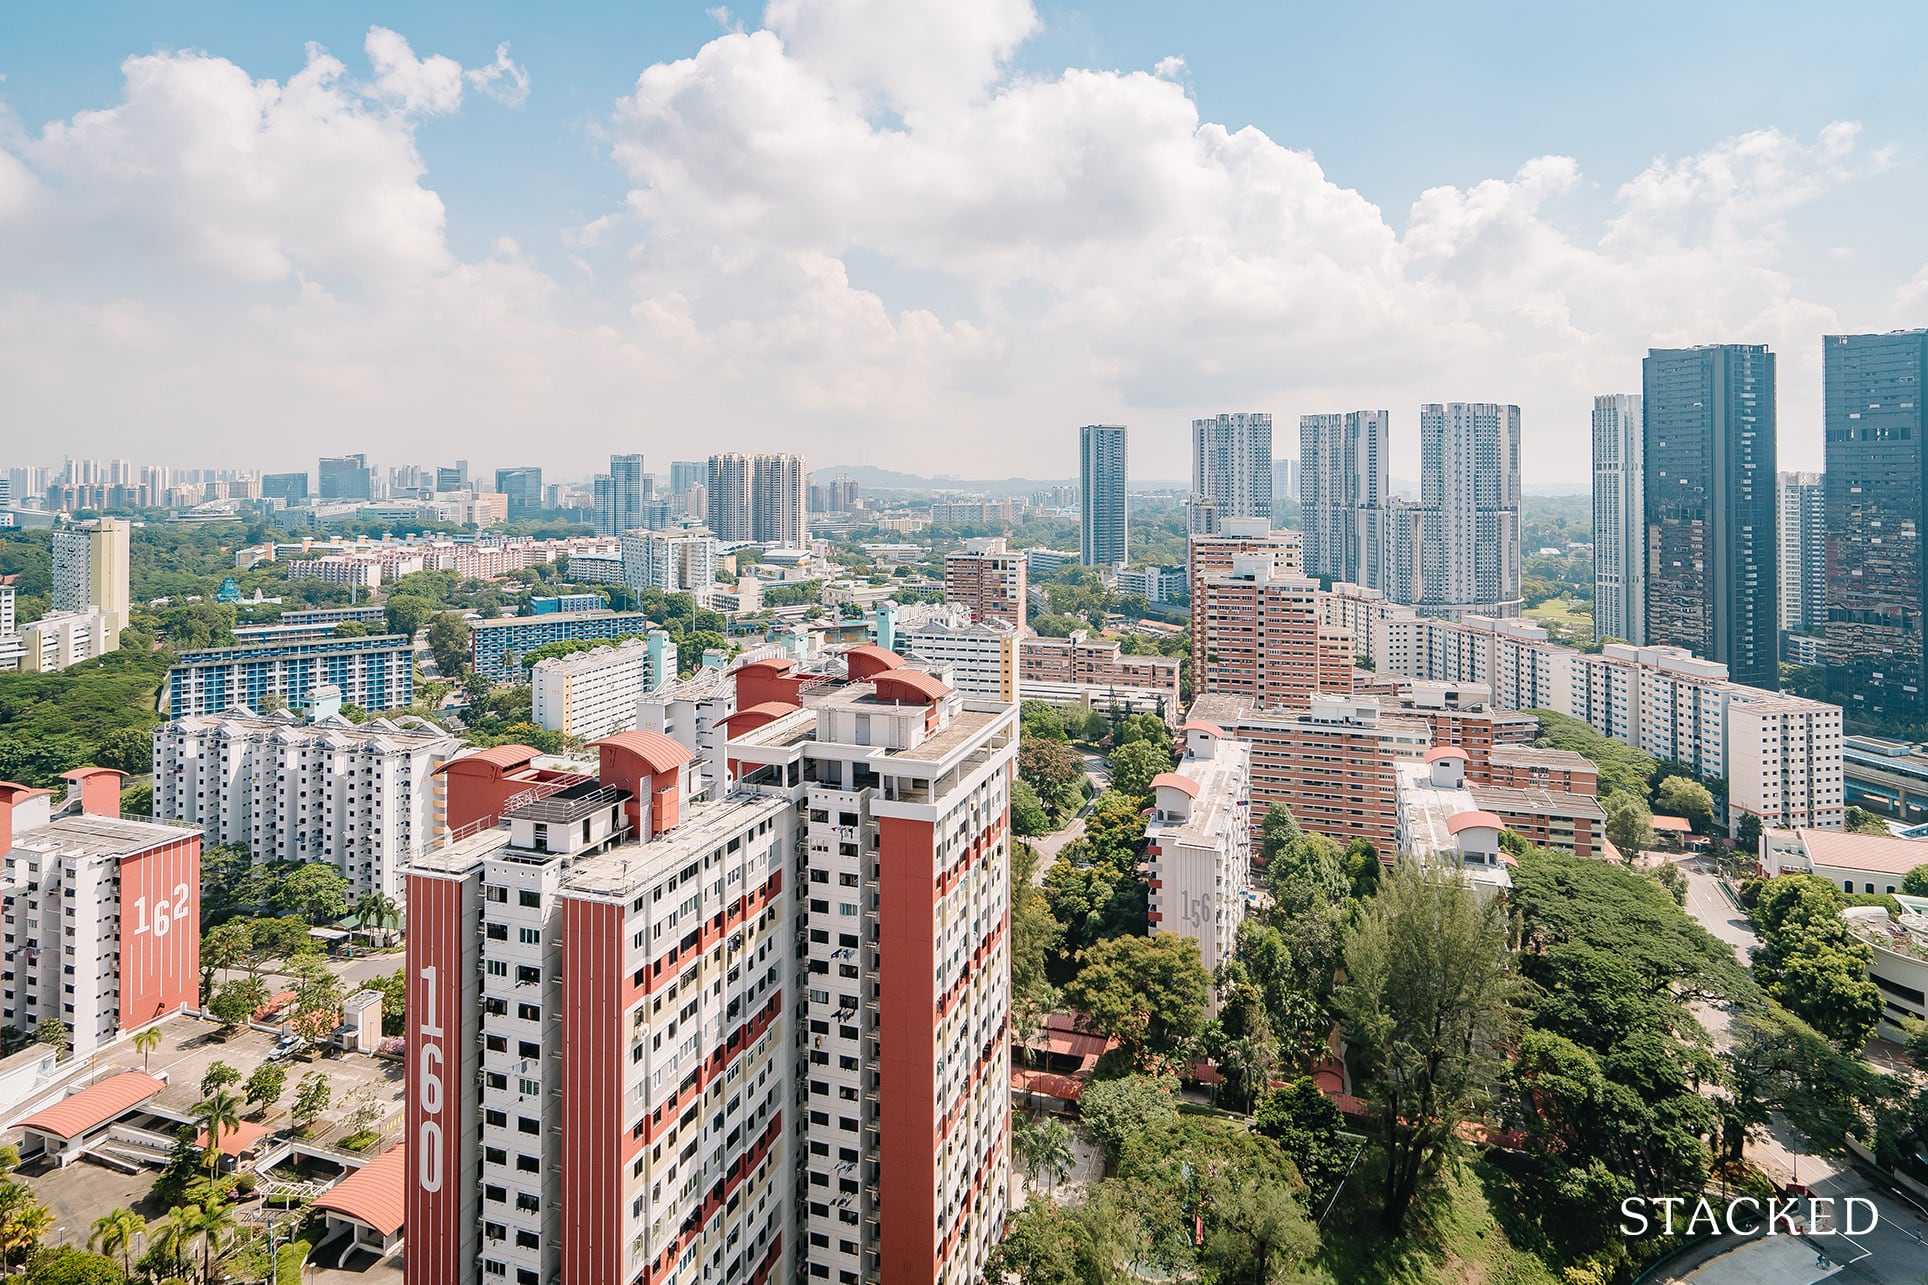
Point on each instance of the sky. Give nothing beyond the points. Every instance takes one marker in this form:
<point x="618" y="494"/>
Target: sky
<point x="928" y="236"/>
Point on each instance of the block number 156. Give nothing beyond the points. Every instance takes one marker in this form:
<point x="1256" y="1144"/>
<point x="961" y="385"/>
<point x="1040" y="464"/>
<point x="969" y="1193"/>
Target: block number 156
<point x="165" y="913"/>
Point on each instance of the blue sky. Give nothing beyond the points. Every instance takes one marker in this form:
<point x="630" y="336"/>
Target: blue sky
<point x="857" y="333"/>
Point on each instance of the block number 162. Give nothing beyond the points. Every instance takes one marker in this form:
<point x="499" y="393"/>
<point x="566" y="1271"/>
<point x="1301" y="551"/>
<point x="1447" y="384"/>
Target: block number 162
<point x="166" y="914"/>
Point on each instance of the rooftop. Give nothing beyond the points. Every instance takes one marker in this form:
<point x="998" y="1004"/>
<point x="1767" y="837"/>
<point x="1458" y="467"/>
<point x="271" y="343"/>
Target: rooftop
<point x="1531" y="756"/>
<point x="1218" y="787"/>
<point x="622" y="871"/>
<point x="375" y="1194"/>
<point x="1882" y="854"/>
<point x="555" y="618"/>
<point x="1536" y="801"/>
<point x="100" y="1103"/>
<point x="81" y="835"/>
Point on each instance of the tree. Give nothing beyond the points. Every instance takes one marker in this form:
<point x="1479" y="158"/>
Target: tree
<point x="1861" y="821"/>
<point x="223" y="946"/>
<point x="1630" y="826"/>
<point x="219" y="1075"/>
<point x="1028" y="816"/>
<point x="407" y="613"/>
<point x="315" y="890"/>
<point x="23" y="1221"/>
<point x="1426" y="1006"/>
<point x="52" y="1032"/>
<point x="1040" y="721"/>
<point x="1112" y="1112"/>
<point x="217" y="1223"/>
<point x="70" y="1265"/>
<point x="318" y="996"/>
<point x="1043" y="1146"/>
<point x="1747" y="833"/>
<point x="448" y="642"/>
<point x="1678" y="796"/>
<point x="117" y="1232"/>
<point x="312" y="1096"/>
<point x="394" y="992"/>
<point x="1148" y="993"/>
<point x="1045" y="1244"/>
<point x="379" y="910"/>
<point x="145" y="1042"/>
<point x="1144" y="727"/>
<point x="1307" y="1127"/>
<point x="1259" y="1228"/>
<point x="1278" y="829"/>
<point x="237" y="1001"/>
<point x="265" y="1087"/>
<point x="1134" y="766"/>
<point x="1055" y="771"/>
<point x="1915" y="882"/>
<point x="219" y="1114"/>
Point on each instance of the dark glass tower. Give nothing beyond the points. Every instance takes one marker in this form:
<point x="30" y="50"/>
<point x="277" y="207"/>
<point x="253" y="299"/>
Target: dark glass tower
<point x="1708" y="501"/>
<point x="1876" y="498"/>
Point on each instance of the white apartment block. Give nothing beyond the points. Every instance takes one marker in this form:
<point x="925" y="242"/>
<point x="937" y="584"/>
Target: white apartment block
<point x="62" y="638"/>
<point x="360" y="797"/>
<point x="1199" y="844"/>
<point x="593" y="693"/>
<point x="1619" y="521"/>
<point x="671" y="561"/>
<point x="100" y="916"/>
<point x="981" y="658"/>
<point x="1663" y="700"/>
<point x="90" y="569"/>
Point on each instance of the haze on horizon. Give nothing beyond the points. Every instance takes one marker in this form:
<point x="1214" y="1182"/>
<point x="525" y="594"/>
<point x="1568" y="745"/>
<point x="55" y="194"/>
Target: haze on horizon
<point x="931" y="237"/>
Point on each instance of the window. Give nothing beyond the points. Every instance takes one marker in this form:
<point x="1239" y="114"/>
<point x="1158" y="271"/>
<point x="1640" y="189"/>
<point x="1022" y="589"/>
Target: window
<point x="497" y="1043"/>
<point x="496" y="967"/>
<point x="528" y="1048"/>
<point x="529" y="936"/>
<point x="496" y="1194"/>
<point x="526" y="1125"/>
<point x="495" y="1155"/>
<point x="528" y="898"/>
<point x="527" y="1087"/>
<point x="527" y="975"/>
<point x="528" y="1164"/>
<point x="496" y="932"/>
<point x="497" y="1119"/>
<point x="528" y="1012"/>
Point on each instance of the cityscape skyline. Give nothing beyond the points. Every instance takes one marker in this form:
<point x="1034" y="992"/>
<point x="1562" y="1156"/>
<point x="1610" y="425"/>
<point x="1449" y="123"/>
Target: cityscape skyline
<point x="435" y="305"/>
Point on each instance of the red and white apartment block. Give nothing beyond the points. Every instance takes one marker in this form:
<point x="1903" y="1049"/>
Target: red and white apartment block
<point x="651" y="1038"/>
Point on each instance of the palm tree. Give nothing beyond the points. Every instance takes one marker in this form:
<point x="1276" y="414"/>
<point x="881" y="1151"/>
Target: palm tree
<point x="23" y="1220"/>
<point x="219" y="1114"/>
<point x="117" y="1232"/>
<point x="217" y="1224"/>
<point x="1045" y="1148"/>
<point x="378" y="909"/>
<point x="173" y="1237"/>
<point x="145" y="1042"/>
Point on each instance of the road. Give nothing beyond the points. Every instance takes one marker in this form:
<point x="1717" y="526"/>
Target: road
<point x="1713" y="911"/>
<point x="1049" y="845"/>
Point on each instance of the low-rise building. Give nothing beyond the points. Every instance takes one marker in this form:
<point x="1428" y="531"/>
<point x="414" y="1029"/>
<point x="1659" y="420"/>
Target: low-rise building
<point x="1570" y="823"/>
<point x="62" y="638"/>
<point x="1899" y="968"/>
<point x="1080" y="670"/>
<point x="1198" y="854"/>
<point x="1527" y="767"/>
<point x="983" y="657"/>
<point x="1851" y="862"/>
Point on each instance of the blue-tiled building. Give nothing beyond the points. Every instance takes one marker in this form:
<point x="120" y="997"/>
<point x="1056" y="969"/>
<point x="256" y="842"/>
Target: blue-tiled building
<point x="375" y="671"/>
<point x="496" y="647"/>
<point x="569" y="602"/>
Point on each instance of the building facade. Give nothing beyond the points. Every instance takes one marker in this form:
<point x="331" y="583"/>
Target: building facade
<point x="90" y="569"/>
<point x="779" y="501"/>
<point x="597" y="693"/>
<point x="345" y="477"/>
<point x="496" y="647"/>
<point x="1097" y="673"/>
<point x="1619" y="529"/>
<point x="1261" y="638"/>
<point x="522" y="487"/>
<point x="359" y="797"/>
<point x="376" y="672"/>
<point x="1877" y="513"/>
<point x="1198" y="852"/>
<point x="1708" y="506"/>
<point x="987" y="581"/>
<point x="681" y="561"/>
<point x="1343" y="495"/>
<point x="1103" y="518"/>
<point x="1232" y="464"/>
<point x="102" y="915"/>
<point x="1470" y="490"/>
<point x="1802" y="531"/>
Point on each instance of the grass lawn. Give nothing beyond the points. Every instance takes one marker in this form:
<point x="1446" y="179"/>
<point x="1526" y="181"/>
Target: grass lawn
<point x="1567" y="619"/>
<point x="1451" y="1238"/>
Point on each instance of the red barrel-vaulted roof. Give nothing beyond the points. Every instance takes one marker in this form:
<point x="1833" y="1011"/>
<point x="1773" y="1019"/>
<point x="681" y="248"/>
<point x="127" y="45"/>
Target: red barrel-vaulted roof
<point x="910" y="687"/>
<point x="1173" y="781"/>
<point x="657" y="752"/>
<point x="868" y="660"/>
<point x="1472" y="821"/>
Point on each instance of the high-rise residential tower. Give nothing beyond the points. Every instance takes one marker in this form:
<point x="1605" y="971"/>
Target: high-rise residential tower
<point x="1877" y="510"/>
<point x="619" y="495"/>
<point x="90" y="569"/>
<point x="1103" y="523"/>
<point x="778" y="500"/>
<point x="1232" y="464"/>
<point x="730" y="513"/>
<point x="987" y="580"/>
<point x="1801" y="511"/>
<point x="1342" y="496"/>
<point x="687" y="474"/>
<point x="1469" y="485"/>
<point x="1708" y="505"/>
<point x="1619" y="554"/>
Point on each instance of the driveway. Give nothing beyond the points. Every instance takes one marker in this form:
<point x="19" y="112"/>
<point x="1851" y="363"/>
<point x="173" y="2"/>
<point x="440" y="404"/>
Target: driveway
<point x="1713" y="911"/>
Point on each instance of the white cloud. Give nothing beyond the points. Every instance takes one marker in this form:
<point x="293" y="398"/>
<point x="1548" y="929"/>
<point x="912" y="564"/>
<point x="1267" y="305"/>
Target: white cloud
<point x="1170" y="67"/>
<point x="431" y="85"/>
<point x="856" y="231"/>
<point x="502" y="79"/>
